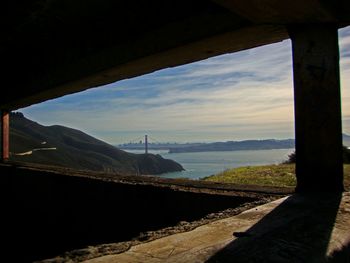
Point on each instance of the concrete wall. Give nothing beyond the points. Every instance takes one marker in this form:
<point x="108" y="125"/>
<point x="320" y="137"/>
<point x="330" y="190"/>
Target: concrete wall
<point x="46" y="213"/>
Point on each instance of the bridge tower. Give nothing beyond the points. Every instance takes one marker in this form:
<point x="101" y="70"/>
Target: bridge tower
<point x="146" y="144"/>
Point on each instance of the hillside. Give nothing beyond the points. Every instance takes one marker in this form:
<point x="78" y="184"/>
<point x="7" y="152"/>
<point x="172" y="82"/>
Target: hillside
<point x="241" y="145"/>
<point x="58" y="145"/>
<point x="237" y="146"/>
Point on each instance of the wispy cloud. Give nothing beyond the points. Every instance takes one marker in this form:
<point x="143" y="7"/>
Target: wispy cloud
<point x="243" y="95"/>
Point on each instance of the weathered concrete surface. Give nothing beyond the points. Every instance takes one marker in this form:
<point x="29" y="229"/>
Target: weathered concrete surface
<point x="298" y="228"/>
<point x="66" y="210"/>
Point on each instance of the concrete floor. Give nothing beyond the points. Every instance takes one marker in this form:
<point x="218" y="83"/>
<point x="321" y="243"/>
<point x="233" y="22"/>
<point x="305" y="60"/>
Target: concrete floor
<point x="298" y="228"/>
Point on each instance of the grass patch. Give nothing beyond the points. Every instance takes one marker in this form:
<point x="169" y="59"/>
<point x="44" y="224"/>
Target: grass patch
<point x="282" y="175"/>
<point x="268" y="175"/>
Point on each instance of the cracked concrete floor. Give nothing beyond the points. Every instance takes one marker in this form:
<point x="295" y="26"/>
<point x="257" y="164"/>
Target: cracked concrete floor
<point x="298" y="228"/>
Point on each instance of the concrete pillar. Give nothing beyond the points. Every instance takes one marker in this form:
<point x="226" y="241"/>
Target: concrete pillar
<point x="5" y="133"/>
<point x="318" y="132"/>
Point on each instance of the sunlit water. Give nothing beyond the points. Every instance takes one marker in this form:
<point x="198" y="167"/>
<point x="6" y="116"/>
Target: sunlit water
<point x="201" y="164"/>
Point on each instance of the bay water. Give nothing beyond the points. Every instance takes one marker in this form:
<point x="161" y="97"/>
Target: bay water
<point x="202" y="164"/>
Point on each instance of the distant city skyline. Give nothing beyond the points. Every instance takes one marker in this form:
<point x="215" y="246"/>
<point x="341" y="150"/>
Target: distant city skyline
<point x="238" y="96"/>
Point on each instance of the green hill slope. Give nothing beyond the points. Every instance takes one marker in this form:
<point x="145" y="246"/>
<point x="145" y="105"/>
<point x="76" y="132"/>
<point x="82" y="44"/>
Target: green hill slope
<point x="62" y="146"/>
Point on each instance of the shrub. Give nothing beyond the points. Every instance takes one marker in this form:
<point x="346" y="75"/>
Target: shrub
<point x="346" y="156"/>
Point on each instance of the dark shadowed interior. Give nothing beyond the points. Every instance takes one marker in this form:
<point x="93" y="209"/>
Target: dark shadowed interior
<point x="50" y="48"/>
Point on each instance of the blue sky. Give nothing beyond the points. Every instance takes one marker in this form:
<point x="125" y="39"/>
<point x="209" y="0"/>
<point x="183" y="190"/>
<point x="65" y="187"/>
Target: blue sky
<point x="243" y="95"/>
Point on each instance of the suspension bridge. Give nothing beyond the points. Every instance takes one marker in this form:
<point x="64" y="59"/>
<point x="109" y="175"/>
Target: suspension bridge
<point x="143" y="143"/>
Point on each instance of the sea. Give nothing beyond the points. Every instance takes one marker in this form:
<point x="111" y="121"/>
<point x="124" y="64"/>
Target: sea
<point x="202" y="164"/>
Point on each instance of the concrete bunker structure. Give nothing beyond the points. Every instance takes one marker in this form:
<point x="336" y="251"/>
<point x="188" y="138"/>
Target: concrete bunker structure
<point x="53" y="48"/>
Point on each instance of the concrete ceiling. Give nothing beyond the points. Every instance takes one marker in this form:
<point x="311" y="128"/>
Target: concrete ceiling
<point x="50" y="48"/>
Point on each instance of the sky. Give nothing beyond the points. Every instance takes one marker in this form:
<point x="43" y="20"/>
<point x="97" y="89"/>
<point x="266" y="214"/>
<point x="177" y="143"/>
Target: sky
<point x="238" y="96"/>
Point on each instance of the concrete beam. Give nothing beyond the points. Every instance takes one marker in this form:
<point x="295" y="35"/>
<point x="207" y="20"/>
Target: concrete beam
<point x="318" y="132"/>
<point x="142" y="57"/>
<point x="5" y="132"/>
<point x="290" y="12"/>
